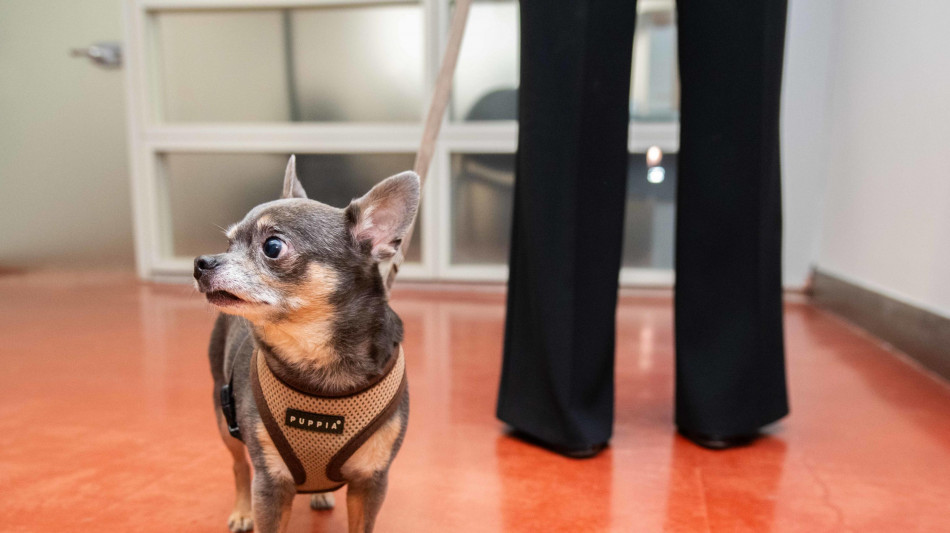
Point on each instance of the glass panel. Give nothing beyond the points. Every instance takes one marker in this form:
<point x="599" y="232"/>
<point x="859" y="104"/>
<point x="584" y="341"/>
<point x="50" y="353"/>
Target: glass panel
<point x="648" y="227"/>
<point x="482" y="199"/>
<point x="654" y="78"/>
<point x="482" y="191"/>
<point x="486" y="77"/>
<point x="486" y="80"/>
<point x="208" y="192"/>
<point x="352" y="63"/>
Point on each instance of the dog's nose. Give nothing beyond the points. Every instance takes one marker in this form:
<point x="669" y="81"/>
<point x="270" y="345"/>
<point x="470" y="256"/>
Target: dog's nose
<point x="204" y="263"/>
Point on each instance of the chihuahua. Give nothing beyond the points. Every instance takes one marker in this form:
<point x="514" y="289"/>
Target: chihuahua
<point x="299" y="287"/>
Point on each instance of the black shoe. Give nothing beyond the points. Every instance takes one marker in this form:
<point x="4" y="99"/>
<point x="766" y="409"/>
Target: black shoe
<point x="585" y="452"/>
<point x="580" y="453"/>
<point x="712" y="441"/>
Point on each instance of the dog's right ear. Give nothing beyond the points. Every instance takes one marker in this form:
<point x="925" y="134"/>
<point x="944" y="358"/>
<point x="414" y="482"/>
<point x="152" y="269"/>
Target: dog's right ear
<point x="292" y="186"/>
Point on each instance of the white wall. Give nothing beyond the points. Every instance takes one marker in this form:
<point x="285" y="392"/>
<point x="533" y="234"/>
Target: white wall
<point x="887" y="209"/>
<point x="64" y="187"/>
<point x="806" y="95"/>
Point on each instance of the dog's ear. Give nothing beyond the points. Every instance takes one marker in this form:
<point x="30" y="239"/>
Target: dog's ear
<point x="292" y="186"/>
<point x="381" y="218"/>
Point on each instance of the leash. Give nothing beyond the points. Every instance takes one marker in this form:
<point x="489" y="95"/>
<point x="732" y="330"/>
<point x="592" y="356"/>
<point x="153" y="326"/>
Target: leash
<point x="440" y="100"/>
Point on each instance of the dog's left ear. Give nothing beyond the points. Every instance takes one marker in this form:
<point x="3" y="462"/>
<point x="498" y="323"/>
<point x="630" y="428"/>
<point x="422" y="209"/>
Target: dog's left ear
<point x="382" y="216"/>
<point x="292" y="186"/>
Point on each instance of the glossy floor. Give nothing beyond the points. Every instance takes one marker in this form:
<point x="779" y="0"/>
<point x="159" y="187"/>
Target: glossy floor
<point x="106" y="425"/>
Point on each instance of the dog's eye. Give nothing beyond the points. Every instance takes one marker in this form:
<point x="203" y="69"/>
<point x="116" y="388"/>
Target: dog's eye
<point x="273" y="247"/>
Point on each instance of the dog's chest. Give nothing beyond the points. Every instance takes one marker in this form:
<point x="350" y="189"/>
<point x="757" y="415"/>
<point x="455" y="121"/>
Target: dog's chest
<point x="316" y="434"/>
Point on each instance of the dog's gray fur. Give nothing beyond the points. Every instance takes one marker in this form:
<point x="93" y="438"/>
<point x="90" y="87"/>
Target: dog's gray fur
<point x="345" y="246"/>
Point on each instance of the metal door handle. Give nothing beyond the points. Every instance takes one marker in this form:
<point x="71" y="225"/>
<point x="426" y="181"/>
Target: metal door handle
<point x="108" y="55"/>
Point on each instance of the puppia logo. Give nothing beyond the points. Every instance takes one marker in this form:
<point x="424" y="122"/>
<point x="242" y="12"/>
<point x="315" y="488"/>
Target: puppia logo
<point x="314" y="422"/>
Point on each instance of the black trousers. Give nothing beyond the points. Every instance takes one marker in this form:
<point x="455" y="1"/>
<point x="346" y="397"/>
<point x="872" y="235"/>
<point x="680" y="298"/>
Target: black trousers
<point x="557" y="379"/>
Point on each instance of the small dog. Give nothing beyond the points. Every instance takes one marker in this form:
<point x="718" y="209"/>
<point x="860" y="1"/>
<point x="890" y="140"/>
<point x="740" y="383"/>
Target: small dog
<point x="300" y="289"/>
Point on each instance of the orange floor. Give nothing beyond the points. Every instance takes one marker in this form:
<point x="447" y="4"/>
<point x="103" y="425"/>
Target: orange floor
<point x="106" y="425"/>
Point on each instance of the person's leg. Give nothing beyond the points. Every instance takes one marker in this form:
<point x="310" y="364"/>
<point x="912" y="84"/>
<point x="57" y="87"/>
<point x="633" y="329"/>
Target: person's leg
<point x="557" y="376"/>
<point x="730" y="369"/>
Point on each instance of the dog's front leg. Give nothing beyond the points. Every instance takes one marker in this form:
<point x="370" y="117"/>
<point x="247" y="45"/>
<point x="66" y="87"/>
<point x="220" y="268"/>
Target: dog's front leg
<point x="363" y="500"/>
<point x="272" y="501"/>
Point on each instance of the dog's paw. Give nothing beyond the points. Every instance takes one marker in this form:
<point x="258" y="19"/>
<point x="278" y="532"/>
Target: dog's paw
<point x="322" y="502"/>
<point x="240" y="522"/>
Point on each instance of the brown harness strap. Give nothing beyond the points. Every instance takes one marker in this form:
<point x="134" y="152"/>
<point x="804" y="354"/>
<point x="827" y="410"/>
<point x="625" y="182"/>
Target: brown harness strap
<point x="316" y="434"/>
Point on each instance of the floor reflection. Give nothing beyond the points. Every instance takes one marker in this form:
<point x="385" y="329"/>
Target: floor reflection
<point x="541" y="491"/>
<point x="735" y="490"/>
<point x="105" y="402"/>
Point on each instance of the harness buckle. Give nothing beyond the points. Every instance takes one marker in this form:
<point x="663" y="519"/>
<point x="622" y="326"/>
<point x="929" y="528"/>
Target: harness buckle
<point x="229" y="410"/>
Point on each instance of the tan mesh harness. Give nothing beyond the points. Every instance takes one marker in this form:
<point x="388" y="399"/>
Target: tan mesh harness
<point x="316" y="434"/>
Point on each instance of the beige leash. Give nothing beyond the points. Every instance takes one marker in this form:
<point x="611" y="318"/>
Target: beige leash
<point x="440" y="99"/>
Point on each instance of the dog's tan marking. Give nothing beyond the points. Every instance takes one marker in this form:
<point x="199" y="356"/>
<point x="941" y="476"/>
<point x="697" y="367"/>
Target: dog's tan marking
<point x="241" y="518"/>
<point x="272" y="459"/>
<point x="355" y="510"/>
<point x="312" y="298"/>
<point x="305" y="337"/>
<point x="241" y="521"/>
<point x="264" y="221"/>
<point x="375" y="453"/>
